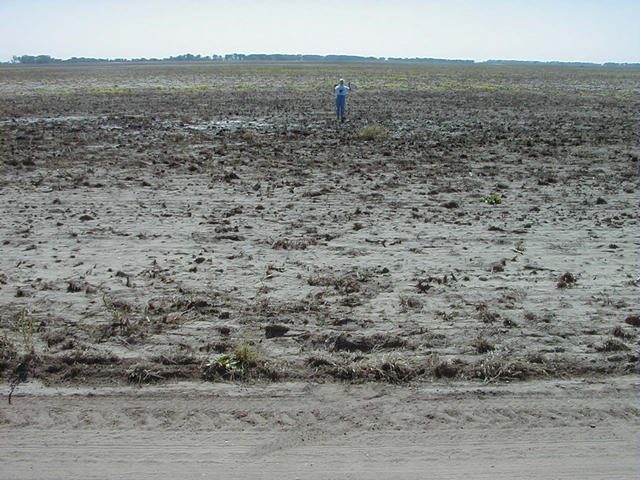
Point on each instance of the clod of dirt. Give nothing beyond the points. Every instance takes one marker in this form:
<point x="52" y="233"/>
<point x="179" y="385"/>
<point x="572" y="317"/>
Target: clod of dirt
<point x="445" y="369"/>
<point x="75" y="286"/>
<point x="633" y="320"/>
<point x="601" y="201"/>
<point x="343" y="343"/>
<point x="616" y="358"/>
<point x="498" y="266"/>
<point x="366" y="344"/>
<point x="230" y="176"/>
<point x="218" y="347"/>
<point x="567" y="280"/>
<point x="424" y="284"/>
<point x="451" y="204"/>
<point x="271" y="331"/>
<point x="86" y="218"/>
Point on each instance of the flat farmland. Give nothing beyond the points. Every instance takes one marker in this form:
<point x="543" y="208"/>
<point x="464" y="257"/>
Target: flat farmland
<point x="155" y="217"/>
<point x="210" y="231"/>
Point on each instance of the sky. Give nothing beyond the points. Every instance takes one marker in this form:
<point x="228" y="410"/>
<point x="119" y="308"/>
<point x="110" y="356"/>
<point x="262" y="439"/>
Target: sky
<point x="544" y="30"/>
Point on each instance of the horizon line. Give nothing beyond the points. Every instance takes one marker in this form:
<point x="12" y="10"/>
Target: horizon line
<point x="43" y="59"/>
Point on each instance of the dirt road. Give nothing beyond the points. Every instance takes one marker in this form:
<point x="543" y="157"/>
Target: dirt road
<point x="547" y="430"/>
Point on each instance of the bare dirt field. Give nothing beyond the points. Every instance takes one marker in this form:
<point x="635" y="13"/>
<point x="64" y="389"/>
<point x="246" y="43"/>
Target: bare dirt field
<point x="194" y="254"/>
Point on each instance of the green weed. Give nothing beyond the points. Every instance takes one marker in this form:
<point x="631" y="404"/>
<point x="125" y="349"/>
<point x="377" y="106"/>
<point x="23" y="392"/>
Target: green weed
<point x="26" y="328"/>
<point x="236" y="364"/>
<point x="110" y="91"/>
<point x="494" y="199"/>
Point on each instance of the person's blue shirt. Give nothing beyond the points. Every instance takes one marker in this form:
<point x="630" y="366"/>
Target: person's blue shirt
<point x="341" y="99"/>
<point x="342" y="90"/>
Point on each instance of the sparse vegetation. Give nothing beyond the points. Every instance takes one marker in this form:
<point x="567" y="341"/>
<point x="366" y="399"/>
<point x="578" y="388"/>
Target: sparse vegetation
<point x="482" y="345"/>
<point x="493" y="199"/>
<point x="497" y="366"/>
<point x="26" y="328"/>
<point x="372" y="131"/>
<point x="612" y="345"/>
<point x="620" y="332"/>
<point x="408" y="303"/>
<point x="356" y="253"/>
<point x="249" y="135"/>
<point x="8" y="350"/>
<point x="234" y="365"/>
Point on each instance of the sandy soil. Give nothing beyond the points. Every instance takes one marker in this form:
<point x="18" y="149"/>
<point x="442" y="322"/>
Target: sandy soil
<point x="199" y="223"/>
<point x="571" y="429"/>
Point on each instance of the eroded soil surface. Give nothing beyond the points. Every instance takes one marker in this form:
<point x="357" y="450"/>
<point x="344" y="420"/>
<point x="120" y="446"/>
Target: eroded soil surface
<point x="211" y="222"/>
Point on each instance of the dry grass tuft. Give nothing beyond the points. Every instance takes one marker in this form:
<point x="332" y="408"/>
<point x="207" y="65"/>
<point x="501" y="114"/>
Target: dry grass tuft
<point x="483" y="345"/>
<point x="612" y="345"/>
<point x="372" y="131"/>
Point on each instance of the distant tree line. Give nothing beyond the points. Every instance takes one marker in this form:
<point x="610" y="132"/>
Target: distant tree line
<point x="279" y="57"/>
<point x="188" y="57"/>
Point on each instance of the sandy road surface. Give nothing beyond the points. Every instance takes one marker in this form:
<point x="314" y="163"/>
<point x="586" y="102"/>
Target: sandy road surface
<point x="561" y="429"/>
<point x="548" y="454"/>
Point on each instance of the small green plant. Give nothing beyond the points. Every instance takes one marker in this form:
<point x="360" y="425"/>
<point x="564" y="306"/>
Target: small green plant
<point x="238" y="363"/>
<point x="26" y="328"/>
<point x="494" y="199"/>
<point x="120" y="324"/>
<point x="227" y="362"/>
<point x="116" y="90"/>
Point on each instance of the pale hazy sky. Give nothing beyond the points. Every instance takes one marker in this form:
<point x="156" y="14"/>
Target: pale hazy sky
<point x="563" y="30"/>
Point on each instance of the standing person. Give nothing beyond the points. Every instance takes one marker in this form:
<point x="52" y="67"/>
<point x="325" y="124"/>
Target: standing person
<point x="341" y="98"/>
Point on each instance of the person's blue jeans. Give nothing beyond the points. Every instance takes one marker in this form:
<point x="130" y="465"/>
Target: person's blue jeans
<point x="341" y="103"/>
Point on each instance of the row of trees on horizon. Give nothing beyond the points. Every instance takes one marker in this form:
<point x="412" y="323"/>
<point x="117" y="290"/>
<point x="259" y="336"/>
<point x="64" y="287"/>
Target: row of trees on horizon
<point x="278" y="57"/>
